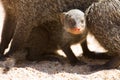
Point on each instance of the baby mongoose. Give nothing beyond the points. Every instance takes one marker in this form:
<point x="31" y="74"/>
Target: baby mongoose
<point x="72" y="30"/>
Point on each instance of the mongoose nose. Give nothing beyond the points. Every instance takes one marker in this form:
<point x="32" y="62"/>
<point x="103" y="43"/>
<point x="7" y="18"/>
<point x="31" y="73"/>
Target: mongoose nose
<point x="77" y="29"/>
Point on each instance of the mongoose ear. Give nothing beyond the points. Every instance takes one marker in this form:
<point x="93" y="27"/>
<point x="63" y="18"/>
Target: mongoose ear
<point x="62" y="17"/>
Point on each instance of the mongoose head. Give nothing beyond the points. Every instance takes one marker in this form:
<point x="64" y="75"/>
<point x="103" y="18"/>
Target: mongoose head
<point x="73" y="21"/>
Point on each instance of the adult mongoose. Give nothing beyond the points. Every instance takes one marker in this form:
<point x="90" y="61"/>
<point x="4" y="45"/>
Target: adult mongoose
<point x="103" y="21"/>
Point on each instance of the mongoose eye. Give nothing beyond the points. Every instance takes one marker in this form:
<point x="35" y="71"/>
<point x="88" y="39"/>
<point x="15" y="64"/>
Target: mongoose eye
<point x="82" y="21"/>
<point x="71" y="22"/>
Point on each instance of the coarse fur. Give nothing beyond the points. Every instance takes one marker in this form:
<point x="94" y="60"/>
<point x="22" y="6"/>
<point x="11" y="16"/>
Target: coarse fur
<point x="27" y="16"/>
<point x="73" y="30"/>
<point x="24" y="15"/>
<point x="103" y="21"/>
<point x="59" y="37"/>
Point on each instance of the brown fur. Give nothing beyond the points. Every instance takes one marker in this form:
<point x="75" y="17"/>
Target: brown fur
<point x="58" y="38"/>
<point x="103" y="21"/>
<point x="25" y="15"/>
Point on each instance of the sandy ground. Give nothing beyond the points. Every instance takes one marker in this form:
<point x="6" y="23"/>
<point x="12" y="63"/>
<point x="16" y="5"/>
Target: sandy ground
<point x="55" y="71"/>
<point x="48" y="70"/>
